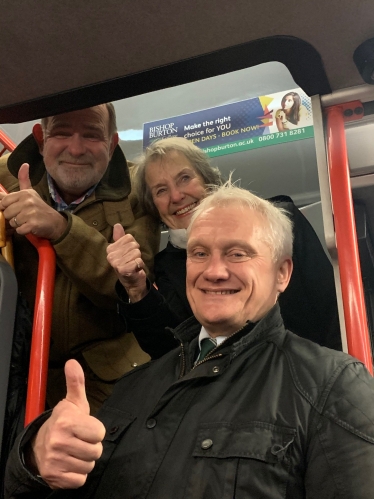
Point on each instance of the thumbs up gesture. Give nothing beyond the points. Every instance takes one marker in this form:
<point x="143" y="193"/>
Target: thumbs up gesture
<point x="69" y="442"/>
<point x="27" y="213"/>
<point x="125" y="257"/>
<point x="23" y="177"/>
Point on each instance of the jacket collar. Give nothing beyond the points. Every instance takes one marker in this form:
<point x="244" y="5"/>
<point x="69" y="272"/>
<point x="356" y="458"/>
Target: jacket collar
<point x="240" y="340"/>
<point x="169" y="248"/>
<point x="115" y="184"/>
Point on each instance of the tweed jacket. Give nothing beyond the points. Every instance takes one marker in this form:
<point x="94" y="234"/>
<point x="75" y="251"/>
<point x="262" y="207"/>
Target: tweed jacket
<point x="85" y="319"/>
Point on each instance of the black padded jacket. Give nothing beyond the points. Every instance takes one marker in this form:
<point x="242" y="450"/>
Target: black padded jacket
<point x="266" y="414"/>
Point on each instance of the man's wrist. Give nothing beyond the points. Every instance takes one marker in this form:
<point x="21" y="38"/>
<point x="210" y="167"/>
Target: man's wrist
<point x="60" y="227"/>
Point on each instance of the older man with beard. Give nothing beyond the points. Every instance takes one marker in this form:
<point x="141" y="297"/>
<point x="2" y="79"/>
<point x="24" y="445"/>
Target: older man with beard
<point x="69" y="183"/>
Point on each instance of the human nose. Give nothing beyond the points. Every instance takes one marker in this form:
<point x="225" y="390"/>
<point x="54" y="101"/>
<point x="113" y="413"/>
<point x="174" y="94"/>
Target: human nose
<point x="76" y="145"/>
<point x="216" y="269"/>
<point x="176" y="195"/>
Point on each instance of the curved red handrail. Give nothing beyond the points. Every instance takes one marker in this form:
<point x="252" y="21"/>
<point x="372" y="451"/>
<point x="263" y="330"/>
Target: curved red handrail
<point x="7" y="142"/>
<point x="41" y="331"/>
<point x="346" y="240"/>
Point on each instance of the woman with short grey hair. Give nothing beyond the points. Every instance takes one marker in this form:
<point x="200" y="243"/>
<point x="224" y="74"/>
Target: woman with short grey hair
<point x="172" y="177"/>
<point x="161" y="149"/>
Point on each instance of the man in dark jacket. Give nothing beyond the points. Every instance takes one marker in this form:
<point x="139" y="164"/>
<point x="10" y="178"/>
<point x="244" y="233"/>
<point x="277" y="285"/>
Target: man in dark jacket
<point x="263" y="414"/>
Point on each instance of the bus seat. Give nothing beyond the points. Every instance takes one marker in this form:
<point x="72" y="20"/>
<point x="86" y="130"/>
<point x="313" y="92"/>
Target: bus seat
<point x="164" y="239"/>
<point x="313" y="213"/>
<point x="309" y="304"/>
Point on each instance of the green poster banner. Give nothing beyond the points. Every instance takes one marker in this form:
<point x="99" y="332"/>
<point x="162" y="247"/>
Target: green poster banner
<point x="239" y="126"/>
<point x="262" y="141"/>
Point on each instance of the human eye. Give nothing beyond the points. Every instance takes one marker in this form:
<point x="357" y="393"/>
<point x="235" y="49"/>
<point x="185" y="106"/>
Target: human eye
<point x="238" y="255"/>
<point x="93" y="136"/>
<point x="184" y="178"/>
<point x="197" y="254"/>
<point x="200" y="254"/>
<point x="59" y="133"/>
<point x="160" y="191"/>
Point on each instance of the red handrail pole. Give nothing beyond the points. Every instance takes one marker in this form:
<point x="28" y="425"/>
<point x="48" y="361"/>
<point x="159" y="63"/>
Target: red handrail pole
<point x="346" y="240"/>
<point x="7" y="142"/>
<point x="41" y="331"/>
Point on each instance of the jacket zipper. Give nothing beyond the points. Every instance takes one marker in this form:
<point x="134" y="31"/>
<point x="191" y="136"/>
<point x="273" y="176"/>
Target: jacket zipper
<point x="209" y="356"/>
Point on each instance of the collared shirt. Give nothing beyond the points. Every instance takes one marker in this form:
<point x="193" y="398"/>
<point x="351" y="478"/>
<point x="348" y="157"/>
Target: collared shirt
<point x="59" y="203"/>
<point x="204" y="334"/>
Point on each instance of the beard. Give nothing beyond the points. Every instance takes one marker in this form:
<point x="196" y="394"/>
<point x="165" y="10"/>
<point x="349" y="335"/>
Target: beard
<point x="75" y="179"/>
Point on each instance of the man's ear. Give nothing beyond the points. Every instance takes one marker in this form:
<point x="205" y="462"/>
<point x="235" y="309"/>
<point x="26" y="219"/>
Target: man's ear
<point x="113" y="143"/>
<point x="284" y="274"/>
<point x="37" y="132"/>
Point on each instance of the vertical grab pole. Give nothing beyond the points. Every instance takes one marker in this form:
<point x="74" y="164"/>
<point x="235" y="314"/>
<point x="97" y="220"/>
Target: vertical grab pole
<point x="358" y="339"/>
<point x="41" y="330"/>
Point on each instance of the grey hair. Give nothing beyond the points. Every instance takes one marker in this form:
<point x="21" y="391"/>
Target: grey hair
<point x="112" y="128"/>
<point x="198" y="159"/>
<point x="278" y="235"/>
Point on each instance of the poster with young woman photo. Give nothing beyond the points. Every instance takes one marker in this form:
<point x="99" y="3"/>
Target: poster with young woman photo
<point x="292" y="112"/>
<point x="238" y="126"/>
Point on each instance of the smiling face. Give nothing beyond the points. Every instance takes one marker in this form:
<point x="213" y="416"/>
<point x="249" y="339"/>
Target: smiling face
<point x="76" y="148"/>
<point x="288" y="102"/>
<point x="231" y="275"/>
<point x="176" y="188"/>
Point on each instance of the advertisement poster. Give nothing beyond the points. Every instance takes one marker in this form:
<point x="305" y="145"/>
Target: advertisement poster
<point x="240" y="126"/>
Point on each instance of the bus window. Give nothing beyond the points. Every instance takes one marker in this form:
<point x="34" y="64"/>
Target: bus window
<point x="288" y="168"/>
<point x="296" y="173"/>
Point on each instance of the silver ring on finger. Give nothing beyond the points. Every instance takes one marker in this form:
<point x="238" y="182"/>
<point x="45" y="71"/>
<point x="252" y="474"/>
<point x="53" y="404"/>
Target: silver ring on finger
<point x="16" y="223"/>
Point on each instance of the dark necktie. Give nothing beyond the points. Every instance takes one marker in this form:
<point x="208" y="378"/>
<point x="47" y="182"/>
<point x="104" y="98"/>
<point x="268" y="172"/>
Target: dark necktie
<point x="207" y="344"/>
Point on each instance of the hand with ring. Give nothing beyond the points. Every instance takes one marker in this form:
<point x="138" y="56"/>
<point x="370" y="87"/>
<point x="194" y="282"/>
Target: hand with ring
<point x="125" y="257"/>
<point x="16" y="223"/>
<point x="28" y="213"/>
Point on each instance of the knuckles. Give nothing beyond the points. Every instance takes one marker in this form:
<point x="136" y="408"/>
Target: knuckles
<point x="71" y="481"/>
<point x="96" y="453"/>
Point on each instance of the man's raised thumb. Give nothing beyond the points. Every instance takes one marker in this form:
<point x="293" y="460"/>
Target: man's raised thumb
<point x="75" y="387"/>
<point x="23" y="177"/>
<point x="118" y="232"/>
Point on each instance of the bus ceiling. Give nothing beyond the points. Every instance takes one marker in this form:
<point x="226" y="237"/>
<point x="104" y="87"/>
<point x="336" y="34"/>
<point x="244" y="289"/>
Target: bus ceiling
<point x="69" y="55"/>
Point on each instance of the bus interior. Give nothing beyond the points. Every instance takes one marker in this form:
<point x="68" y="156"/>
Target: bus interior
<point x="162" y="60"/>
